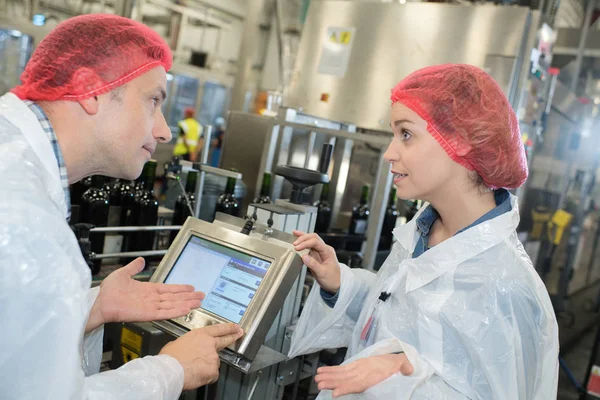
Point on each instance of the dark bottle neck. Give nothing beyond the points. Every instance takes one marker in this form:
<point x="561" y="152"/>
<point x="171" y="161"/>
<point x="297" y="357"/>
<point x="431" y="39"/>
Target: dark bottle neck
<point x="364" y="197"/>
<point x="230" y="188"/>
<point x="148" y="176"/>
<point x="266" y="185"/>
<point x="393" y="199"/>
<point x="325" y="192"/>
<point x="98" y="181"/>
<point x="190" y="185"/>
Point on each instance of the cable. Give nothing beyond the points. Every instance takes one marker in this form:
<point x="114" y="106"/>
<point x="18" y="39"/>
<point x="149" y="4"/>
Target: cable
<point x="572" y="378"/>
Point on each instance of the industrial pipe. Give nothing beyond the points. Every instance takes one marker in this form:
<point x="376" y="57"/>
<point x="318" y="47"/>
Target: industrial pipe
<point x="589" y="10"/>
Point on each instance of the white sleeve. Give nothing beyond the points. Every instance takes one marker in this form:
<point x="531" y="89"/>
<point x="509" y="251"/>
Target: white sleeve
<point x="322" y="327"/>
<point x="503" y="346"/>
<point x="92" y="341"/>
<point x="509" y="338"/>
<point x="148" y="378"/>
<point x="44" y="306"/>
<point x="422" y="384"/>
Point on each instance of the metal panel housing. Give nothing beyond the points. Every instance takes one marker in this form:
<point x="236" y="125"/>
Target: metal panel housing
<point x="391" y="41"/>
<point x="270" y="295"/>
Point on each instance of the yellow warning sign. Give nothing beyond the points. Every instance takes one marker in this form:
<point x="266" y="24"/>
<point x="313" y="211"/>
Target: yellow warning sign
<point x="343" y="37"/>
<point x="132" y="340"/>
<point x="128" y="355"/>
<point x="335" y="53"/>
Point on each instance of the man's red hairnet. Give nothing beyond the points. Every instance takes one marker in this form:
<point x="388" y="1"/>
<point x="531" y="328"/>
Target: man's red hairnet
<point x="89" y="55"/>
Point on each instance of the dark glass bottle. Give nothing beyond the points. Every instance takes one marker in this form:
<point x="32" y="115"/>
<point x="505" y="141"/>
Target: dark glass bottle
<point x="389" y="222"/>
<point x="94" y="210"/>
<point x="145" y="208"/>
<point x="127" y="202"/>
<point x="265" y="191"/>
<point x="323" y="211"/>
<point x="76" y="190"/>
<point x="87" y="183"/>
<point x="360" y="219"/>
<point x="182" y="211"/>
<point x="114" y="190"/>
<point x="132" y="240"/>
<point x="227" y="203"/>
<point x="413" y="208"/>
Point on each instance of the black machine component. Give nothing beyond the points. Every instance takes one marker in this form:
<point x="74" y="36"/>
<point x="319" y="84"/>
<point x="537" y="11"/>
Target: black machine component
<point x="302" y="178"/>
<point x="82" y="232"/>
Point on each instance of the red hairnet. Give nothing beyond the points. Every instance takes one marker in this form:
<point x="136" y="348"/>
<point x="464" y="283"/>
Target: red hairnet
<point x="90" y="55"/>
<point x="467" y="113"/>
<point x="189" y="112"/>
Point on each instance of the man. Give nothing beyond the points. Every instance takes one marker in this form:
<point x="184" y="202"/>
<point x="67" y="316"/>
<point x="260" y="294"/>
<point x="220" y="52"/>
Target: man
<point x="189" y="139"/>
<point x="89" y="103"/>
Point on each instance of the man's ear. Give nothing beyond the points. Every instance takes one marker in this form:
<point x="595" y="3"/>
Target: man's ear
<point x="86" y="80"/>
<point x="90" y="105"/>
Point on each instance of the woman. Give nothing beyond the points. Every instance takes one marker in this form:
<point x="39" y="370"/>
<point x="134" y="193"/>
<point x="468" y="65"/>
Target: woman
<point x="457" y="311"/>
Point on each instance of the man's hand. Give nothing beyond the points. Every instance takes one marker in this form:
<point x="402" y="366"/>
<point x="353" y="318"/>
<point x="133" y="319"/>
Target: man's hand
<point x="124" y="299"/>
<point x="197" y="350"/>
<point x="362" y="374"/>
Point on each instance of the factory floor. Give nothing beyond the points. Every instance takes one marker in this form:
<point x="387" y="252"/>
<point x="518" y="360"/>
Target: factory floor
<point x="577" y="360"/>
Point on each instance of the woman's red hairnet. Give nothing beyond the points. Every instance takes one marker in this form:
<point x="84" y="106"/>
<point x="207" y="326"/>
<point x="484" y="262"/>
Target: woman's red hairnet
<point x="466" y="109"/>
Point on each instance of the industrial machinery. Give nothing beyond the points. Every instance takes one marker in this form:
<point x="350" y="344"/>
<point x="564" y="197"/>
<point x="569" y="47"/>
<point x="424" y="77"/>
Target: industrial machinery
<point x="17" y="42"/>
<point x="246" y="277"/>
<point x="252" y="276"/>
<point x="341" y="96"/>
<point x="559" y="225"/>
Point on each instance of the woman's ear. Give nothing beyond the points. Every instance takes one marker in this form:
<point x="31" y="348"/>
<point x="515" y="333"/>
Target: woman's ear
<point x="462" y="149"/>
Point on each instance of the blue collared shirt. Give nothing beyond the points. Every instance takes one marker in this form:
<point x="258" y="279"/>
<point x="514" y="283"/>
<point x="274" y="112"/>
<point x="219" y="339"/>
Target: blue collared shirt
<point x="62" y="168"/>
<point x="426" y="221"/>
<point x="430" y="215"/>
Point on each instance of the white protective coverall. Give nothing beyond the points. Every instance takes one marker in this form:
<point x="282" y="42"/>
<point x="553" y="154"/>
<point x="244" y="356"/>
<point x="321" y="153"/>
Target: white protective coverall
<point x="471" y="314"/>
<point x="45" y="295"/>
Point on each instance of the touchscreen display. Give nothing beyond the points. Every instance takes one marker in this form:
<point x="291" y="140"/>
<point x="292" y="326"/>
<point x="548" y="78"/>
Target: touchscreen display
<point x="229" y="277"/>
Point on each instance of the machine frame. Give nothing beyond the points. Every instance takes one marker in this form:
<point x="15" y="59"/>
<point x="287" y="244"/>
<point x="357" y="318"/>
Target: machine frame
<point x="285" y="267"/>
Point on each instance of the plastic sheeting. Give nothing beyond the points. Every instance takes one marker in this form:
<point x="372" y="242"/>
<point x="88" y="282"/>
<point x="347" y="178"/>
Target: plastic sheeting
<point x="45" y="294"/>
<point x="471" y="314"/>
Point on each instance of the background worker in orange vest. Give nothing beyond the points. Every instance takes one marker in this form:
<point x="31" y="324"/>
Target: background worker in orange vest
<point x="189" y="140"/>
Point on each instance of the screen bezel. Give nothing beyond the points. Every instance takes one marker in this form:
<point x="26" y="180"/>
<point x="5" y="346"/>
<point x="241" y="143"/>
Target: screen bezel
<point x="263" y="242"/>
<point x="255" y="247"/>
<point x="193" y="235"/>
